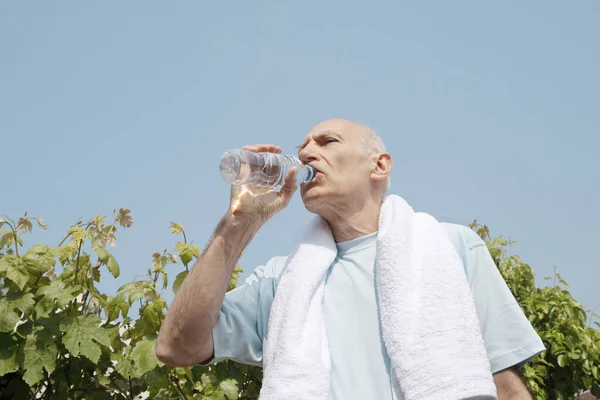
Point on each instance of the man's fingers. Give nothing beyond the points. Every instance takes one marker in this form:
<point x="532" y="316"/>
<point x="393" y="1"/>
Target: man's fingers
<point x="260" y="148"/>
<point x="290" y="185"/>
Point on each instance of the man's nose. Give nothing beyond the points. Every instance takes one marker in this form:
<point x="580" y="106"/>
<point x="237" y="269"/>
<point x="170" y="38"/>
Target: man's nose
<point x="308" y="154"/>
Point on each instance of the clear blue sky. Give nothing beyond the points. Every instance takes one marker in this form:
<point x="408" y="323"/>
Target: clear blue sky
<point x="490" y="110"/>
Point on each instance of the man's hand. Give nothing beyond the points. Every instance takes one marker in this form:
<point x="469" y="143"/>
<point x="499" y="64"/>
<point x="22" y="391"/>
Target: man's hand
<point x="510" y="386"/>
<point x="259" y="204"/>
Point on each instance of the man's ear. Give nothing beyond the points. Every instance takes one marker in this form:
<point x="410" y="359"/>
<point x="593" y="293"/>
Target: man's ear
<point x="381" y="166"/>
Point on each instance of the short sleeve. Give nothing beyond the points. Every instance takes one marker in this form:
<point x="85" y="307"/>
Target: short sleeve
<point x="509" y="338"/>
<point x="241" y="325"/>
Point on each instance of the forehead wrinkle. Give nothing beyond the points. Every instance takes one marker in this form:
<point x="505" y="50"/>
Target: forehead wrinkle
<point x="318" y="136"/>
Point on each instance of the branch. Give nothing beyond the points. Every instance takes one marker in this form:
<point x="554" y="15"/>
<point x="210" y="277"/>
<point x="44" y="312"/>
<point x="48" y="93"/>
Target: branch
<point x="35" y="395"/>
<point x="179" y="394"/>
<point x="118" y="389"/>
<point x="79" y="252"/>
<point x="110" y="231"/>
<point x="174" y="388"/>
<point x="130" y="389"/>
<point x="48" y="382"/>
<point x="592" y="314"/>
<point x="64" y="239"/>
<point x="69" y="234"/>
<point x="172" y="380"/>
<point x="180" y="389"/>
<point x="13" y="229"/>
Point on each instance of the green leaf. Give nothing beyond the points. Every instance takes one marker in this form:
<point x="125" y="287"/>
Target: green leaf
<point x="116" y="305"/>
<point x="66" y="252"/>
<point x="155" y="378"/>
<point x="15" y="269"/>
<point x="21" y="301"/>
<point x="165" y="279"/>
<point x="44" y="254"/>
<point x="100" y="395"/>
<point x="208" y="379"/>
<point x="32" y="265"/>
<point x="39" y="352"/>
<point x="198" y="386"/>
<point x="124" y="366"/>
<point x="152" y="314"/>
<point x="162" y="394"/>
<point x="230" y="388"/>
<point x="84" y="336"/>
<point x="179" y="280"/>
<point x="216" y="395"/>
<point x="8" y="354"/>
<point x="144" y="356"/>
<point x="187" y="252"/>
<point x="543" y="361"/>
<point x="51" y="327"/>
<point x="561" y="280"/>
<point x="113" y="267"/>
<point x="6" y="239"/>
<point x="176" y="228"/>
<point x="79" y="234"/>
<point x="56" y="291"/>
<point x="562" y="360"/>
<point x="9" y="238"/>
<point x="24" y="225"/>
<point x="136" y="290"/>
<point x="14" y="301"/>
<point x="186" y="255"/>
<point x="103" y="255"/>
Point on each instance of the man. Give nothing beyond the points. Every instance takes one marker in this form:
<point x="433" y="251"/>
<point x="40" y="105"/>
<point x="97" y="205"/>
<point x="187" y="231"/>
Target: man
<point x="204" y="325"/>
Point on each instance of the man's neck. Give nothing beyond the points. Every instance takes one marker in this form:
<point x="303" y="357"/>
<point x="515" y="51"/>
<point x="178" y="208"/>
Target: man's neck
<point x="348" y="224"/>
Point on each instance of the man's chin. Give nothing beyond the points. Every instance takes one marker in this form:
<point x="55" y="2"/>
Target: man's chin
<point x="311" y="196"/>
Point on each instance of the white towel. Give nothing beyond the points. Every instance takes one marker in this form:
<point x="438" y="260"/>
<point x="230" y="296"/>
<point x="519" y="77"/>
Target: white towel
<point x="428" y="317"/>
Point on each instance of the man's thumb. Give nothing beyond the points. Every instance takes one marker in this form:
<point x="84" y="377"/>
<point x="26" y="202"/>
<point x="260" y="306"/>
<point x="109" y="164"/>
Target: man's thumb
<point x="291" y="185"/>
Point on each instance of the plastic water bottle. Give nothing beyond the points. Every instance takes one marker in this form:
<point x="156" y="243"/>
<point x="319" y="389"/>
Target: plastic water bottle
<point x="245" y="167"/>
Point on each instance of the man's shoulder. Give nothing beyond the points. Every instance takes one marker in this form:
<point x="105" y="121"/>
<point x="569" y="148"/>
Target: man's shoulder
<point x="274" y="266"/>
<point x="268" y="271"/>
<point x="462" y="237"/>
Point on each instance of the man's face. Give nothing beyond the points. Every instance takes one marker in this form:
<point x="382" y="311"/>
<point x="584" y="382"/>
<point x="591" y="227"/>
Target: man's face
<point x="334" y="148"/>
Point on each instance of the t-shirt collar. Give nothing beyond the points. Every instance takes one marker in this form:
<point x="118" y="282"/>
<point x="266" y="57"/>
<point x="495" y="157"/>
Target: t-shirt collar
<point x="360" y="243"/>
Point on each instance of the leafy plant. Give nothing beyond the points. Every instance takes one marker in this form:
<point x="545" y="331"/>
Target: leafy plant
<point x="61" y="338"/>
<point x="571" y="362"/>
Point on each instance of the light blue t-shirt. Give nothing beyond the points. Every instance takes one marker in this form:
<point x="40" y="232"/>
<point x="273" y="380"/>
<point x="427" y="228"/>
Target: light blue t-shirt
<point x="360" y="363"/>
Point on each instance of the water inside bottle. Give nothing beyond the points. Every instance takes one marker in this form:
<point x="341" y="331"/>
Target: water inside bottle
<point x="260" y="169"/>
<point x="231" y="167"/>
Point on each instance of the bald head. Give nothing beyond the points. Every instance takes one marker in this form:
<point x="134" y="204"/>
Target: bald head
<point x="350" y="160"/>
<point x="370" y="140"/>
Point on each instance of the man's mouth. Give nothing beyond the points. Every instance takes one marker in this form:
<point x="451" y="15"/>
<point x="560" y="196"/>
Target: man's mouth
<point x="317" y="170"/>
<point x="313" y="180"/>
